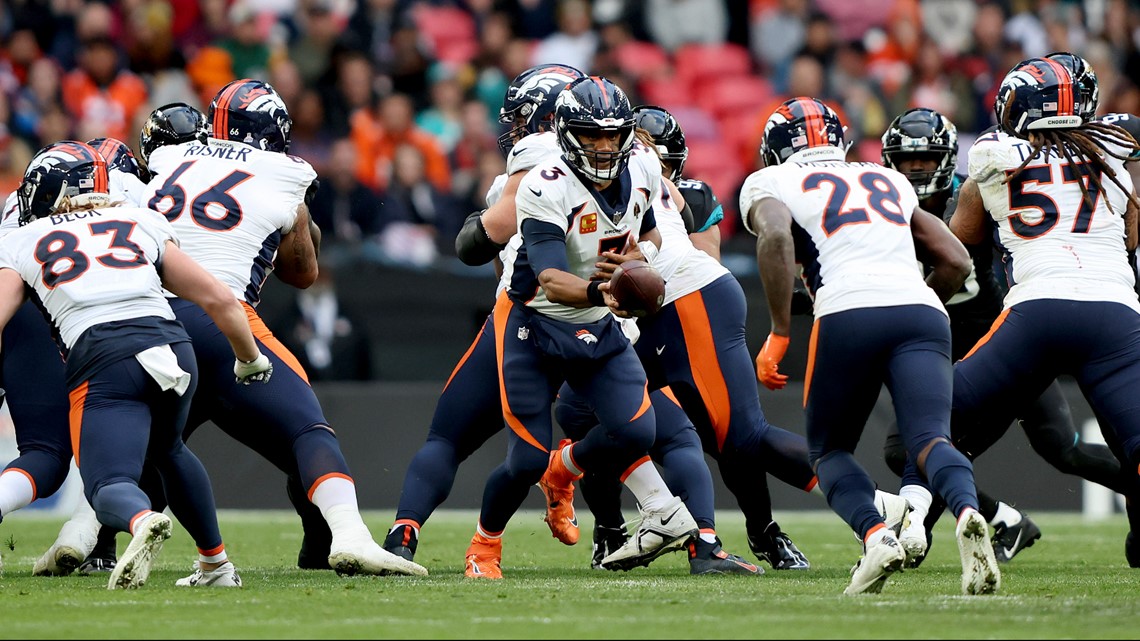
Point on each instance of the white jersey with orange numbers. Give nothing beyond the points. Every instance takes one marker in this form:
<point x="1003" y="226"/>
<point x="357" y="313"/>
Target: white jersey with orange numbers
<point x="1060" y="246"/>
<point x="553" y="193"/>
<point x="92" y="267"/>
<point x="230" y="204"/>
<point x="685" y="268"/>
<point x="851" y="225"/>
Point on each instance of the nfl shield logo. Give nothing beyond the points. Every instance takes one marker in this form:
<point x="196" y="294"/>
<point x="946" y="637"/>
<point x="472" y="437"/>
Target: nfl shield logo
<point x="588" y="224"/>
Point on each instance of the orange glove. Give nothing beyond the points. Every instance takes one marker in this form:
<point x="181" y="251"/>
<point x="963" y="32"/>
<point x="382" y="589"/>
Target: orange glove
<point x="768" y="362"/>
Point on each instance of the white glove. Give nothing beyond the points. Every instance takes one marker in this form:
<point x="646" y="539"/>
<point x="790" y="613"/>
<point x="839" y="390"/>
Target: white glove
<point x="258" y="370"/>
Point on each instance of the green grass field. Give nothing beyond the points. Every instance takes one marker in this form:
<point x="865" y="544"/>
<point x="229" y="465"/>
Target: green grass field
<point x="1073" y="583"/>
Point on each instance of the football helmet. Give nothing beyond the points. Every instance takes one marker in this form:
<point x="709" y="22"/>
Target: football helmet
<point x="171" y="124"/>
<point x="119" y="157"/>
<point x="594" y="106"/>
<point x="798" y="124"/>
<point x="666" y="134"/>
<point x="68" y="172"/>
<point x="923" y="132"/>
<point x="251" y="112"/>
<point x="528" y="106"/>
<point x="1037" y="94"/>
<point x="1088" y="88"/>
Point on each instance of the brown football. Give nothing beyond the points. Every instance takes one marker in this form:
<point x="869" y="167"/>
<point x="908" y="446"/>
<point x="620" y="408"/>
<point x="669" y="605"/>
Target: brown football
<point x="638" y="287"/>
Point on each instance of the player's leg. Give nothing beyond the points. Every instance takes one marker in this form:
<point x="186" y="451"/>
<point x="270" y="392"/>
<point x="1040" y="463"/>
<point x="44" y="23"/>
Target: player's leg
<point x="467" y="414"/>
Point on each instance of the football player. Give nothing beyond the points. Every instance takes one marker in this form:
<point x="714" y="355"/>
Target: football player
<point x="239" y="206"/>
<point x="855" y="227"/>
<point x="1054" y="185"/>
<point x="93" y="269"/>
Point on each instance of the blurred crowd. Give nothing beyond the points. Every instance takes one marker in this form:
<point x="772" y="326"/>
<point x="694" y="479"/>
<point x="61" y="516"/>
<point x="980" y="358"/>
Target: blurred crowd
<point x="395" y="102"/>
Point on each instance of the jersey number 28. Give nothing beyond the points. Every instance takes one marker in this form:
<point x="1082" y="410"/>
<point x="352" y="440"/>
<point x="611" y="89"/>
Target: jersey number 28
<point x="880" y="193"/>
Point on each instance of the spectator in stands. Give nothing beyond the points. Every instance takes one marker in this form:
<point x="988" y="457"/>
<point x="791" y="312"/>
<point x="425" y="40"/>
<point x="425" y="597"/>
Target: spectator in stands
<point x="379" y="133"/>
<point x="310" y="136"/>
<point x="419" y="220"/>
<point x="443" y="119"/>
<point x="777" y="34"/>
<point x="325" y="337"/>
<point x="320" y="28"/>
<point x="574" y="43"/>
<point x="346" y="211"/>
<point x="101" y="96"/>
<point x="36" y="98"/>
<point x="672" y="23"/>
<point x="477" y="140"/>
<point x="250" y="54"/>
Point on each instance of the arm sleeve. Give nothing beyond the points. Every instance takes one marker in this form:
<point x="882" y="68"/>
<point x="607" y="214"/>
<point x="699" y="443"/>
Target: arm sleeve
<point x="760" y="185"/>
<point x="648" y="222"/>
<point x="545" y="245"/>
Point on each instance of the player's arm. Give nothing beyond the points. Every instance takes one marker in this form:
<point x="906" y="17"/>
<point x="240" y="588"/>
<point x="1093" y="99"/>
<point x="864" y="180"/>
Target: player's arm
<point x="545" y="245"/>
<point x="187" y="279"/>
<point x="485" y="233"/>
<point x="12" y="294"/>
<point x="937" y="247"/>
<point x="1130" y="224"/>
<point x="771" y="221"/>
<point x="970" y="223"/>
<point x="704" y="214"/>
<point x="296" y="262"/>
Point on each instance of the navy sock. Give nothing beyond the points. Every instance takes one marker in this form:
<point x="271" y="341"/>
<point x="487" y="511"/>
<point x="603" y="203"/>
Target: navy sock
<point x="116" y="504"/>
<point x="687" y="475"/>
<point x="952" y="476"/>
<point x="317" y="453"/>
<point x="748" y="482"/>
<point x="602" y="494"/>
<point x="191" y="497"/>
<point x="509" y="484"/>
<point x="785" y="456"/>
<point x="428" y="481"/>
<point x="849" y="490"/>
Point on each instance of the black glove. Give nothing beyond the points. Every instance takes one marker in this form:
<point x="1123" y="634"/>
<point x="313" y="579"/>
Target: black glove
<point x="311" y="192"/>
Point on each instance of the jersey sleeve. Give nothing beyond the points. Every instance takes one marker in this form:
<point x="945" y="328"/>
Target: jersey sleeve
<point x="495" y="191"/>
<point x="707" y="210"/>
<point x="987" y="160"/>
<point x="529" y="152"/>
<point x="758" y="186"/>
<point x="292" y="176"/>
<point x="157" y="228"/>
<point x="1128" y="123"/>
<point x="540" y="199"/>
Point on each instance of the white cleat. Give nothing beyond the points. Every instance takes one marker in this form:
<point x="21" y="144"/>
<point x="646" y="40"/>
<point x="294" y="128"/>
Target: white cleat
<point x="980" y="573"/>
<point x="914" y="544"/>
<point x="879" y="561"/>
<point x="225" y="576"/>
<point x="894" y="509"/>
<point x="59" y="560"/>
<point x="133" y="567"/>
<point x="662" y="531"/>
<point x="367" y="557"/>
<point x="76" y="540"/>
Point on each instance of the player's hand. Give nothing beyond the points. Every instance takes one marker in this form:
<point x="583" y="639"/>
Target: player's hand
<point x="612" y="302"/>
<point x="610" y="262"/>
<point x="768" y="362"/>
<point x="259" y="370"/>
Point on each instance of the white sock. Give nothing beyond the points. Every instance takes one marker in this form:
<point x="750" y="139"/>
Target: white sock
<point x="335" y="496"/>
<point x="568" y="461"/>
<point x="647" y="486"/>
<point x="878" y="535"/>
<point x="920" y="499"/>
<point x="708" y="536"/>
<point x="140" y="519"/>
<point x="1006" y="514"/>
<point x="82" y="530"/>
<point x="16" y="491"/>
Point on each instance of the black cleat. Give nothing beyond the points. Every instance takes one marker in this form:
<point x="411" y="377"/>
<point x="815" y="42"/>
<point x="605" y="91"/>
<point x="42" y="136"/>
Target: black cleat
<point x="606" y="541"/>
<point x="314" y="556"/>
<point x="1132" y="551"/>
<point x="402" y="540"/>
<point x="777" y="549"/>
<point x="94" y="565"/>
<point x="1008" y="540"/>
<point x="710" y="558"/>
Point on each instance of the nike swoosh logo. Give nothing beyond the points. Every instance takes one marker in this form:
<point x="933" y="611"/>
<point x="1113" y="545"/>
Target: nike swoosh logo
<point x="574" y="521"/>
<point x="665" y="521"/>
<point x="536" y="192"/>
<point x="660" y="349"/>
<point x="1010" y="550"/>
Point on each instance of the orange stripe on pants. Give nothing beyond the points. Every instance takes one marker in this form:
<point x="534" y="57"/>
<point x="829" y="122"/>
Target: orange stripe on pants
<point x="78" y="398"/>
<point x="463" y="360"/>
<point x="262" y="333"/>
<point x="503" y="308"/>
<point x="985" y="339"/>
<point x="811" y="360"/>
<point x="704" y="363"/>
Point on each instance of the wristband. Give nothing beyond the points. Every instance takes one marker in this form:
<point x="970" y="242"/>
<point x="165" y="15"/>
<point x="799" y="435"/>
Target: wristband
<point x="649" y="250"/>
<point x="594" y="294"/>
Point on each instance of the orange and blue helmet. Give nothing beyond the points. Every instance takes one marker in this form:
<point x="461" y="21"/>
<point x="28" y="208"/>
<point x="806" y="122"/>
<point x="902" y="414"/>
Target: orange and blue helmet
<point x="67" y="171"/>
<point x="1038" y="94"/>
<point x="591" y="106"/>
<point x="119" y="157"/>
<point x="1087" y="85"/>
<point x="798" y="124"/>
<point x="528" y="106"/>
<point x="251" y="112"/>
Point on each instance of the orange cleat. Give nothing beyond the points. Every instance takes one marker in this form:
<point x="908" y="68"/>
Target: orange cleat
<point x="558" y="486"/>
<point x="484" y="557"/>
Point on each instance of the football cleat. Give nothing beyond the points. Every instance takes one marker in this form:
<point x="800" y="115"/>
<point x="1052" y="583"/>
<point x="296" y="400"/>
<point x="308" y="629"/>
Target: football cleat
<point x="402" y="540"/>
<point x="710" y="558"/>
<point x="915" y="542"/>
<point x="1008" y="540"/>
<point x="76" y="540"/>
<point x="59" y="560"/>
<point x="225" y="576"/>
<point x="559" y="492"/>
<point x="95" y="565"/>
<point x="980" y="573"/>
<point x="606" y="541"/>
<point x="661" y="531"/>
<point x="777" y="549"/>
<point x="879" y="561"/>
<point x="894" y="509"/>
<point x="133" y="568"/>
<point x="365" y="556"/>
<point x="484" y="558"/>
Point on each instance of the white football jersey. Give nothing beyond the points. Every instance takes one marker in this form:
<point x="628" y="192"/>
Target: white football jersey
<point x="552" y="193"/>
<point x="851" y="224"/>
<point x="10" y="216"/>
<point x="685" y="268"/>
<point x="92" y="267"/>
<point x="1060" y="247"/>
<point x="125" y="187"/>
<point x="230" y="204"/>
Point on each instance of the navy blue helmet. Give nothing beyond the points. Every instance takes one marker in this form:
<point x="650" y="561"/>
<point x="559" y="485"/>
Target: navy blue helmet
<point x="923" y="132"/>
<point x="1087" y="86"/>
<point x="251" y="112"/>
<point x="63" y="172"/>
<point x="528" y="106"/>
<point x="594" y="106"/>
<point x="119" y="157"/>
<point x="171" y="124"/>
<point x="798" y="124"/>
<point x="1037" y="94"/>
<point x="666" y="134"/>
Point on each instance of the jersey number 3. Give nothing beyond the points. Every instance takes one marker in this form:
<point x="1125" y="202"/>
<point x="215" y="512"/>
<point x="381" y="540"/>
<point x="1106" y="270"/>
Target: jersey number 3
<point x="218" y="195"/>
<point x="880" y="193"/>
<point x="61" y="246"/>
